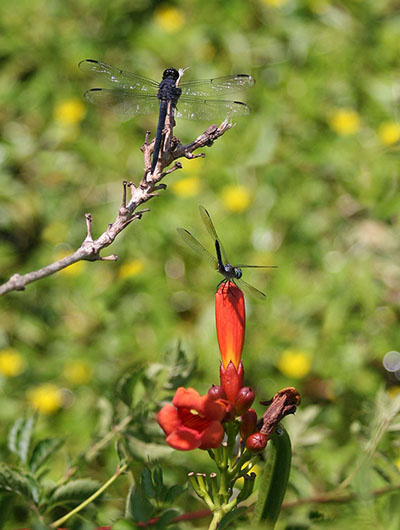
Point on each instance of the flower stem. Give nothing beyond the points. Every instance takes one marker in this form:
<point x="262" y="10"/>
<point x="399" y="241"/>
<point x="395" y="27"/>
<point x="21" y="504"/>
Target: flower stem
<point x="96" y="494"/>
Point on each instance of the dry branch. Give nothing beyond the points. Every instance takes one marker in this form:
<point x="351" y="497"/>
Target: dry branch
<point x="149" y="186"/>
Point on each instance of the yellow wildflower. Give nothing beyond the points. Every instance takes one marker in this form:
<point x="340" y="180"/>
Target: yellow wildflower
<point x="45" y="398"/>
<point x="236" y="198"/>
<point x="11" y="363"/>
<point x="389" y="133"/>
<point x="273" y="3"/>
<point x="294" y="363"/>
<point x="131" y="268"/>
<point x="187" y="187"/>
<point x="69" y="111"/>
<point x="78" y="372"/>
<point x="169" y="18"/>
<point x="397" y="463"/>
<point x="345" y="121"/>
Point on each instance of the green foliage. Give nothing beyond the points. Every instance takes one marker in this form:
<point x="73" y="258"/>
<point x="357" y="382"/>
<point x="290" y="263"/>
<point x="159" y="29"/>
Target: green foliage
<point x="151" y="498"/>
<point x="319" y="202"/>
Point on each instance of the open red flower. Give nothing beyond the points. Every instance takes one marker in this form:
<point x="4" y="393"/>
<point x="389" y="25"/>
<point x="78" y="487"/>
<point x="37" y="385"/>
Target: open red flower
<point x="230" y="318"/>
<point x="192" y="421"/>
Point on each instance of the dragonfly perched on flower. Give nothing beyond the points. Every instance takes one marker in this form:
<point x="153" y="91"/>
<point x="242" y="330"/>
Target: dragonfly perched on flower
<point x="134" y="94"/>
<point x="221" y="262"/>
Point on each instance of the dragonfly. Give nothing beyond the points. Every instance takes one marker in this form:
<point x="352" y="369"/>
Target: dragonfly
<point x="133" y="94"/>
<point x="221" y="263"/>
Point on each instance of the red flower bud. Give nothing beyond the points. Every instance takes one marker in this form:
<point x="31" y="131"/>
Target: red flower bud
<point x="216" y="392"/>
<point x="230" y="319"/>
<point x="256" y="442"/>
<point x="231" y="380"/>
<point x="244" y="399"/>
<point x="248" y="423"/>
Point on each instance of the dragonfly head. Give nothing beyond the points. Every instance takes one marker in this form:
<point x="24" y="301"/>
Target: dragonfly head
<point x="170" y="73"/>
<point x="238" y="272"/>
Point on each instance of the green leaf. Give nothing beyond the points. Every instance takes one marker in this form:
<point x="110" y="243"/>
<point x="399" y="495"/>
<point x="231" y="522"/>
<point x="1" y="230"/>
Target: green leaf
<point x="13" y="480"/>
<point x="126" y="386"/>
<point x="140" y="507"/>
<point x="148" y="486"/>
<point x="231" y="516"/>
<point x="20" y="435"/>
<point x="74" y="491"/>
<point x="180" y="368"/>
<point x="274" y="479"/>
<point x="173" y="492"/>
<point x="43" y="451"/>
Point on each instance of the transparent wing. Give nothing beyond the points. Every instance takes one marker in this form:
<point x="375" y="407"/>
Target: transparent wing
<point x="206" y="218"/>
<point x="241" y="266"/>
<point x="123" y="101"/>
<point x="249" y="289"/>
<point x="116" y="77"/>
<point x="217" y="86"/>
<point x="197" y="247"/>
<point x="193" y="108"/>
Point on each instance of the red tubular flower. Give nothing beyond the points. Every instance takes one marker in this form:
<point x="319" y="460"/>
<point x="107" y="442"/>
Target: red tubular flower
<point x="230" y="319"/>
<point x="192" y="421"/>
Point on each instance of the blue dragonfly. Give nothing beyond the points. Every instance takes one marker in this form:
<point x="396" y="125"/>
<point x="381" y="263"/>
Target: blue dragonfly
<point x="221" y="262"/>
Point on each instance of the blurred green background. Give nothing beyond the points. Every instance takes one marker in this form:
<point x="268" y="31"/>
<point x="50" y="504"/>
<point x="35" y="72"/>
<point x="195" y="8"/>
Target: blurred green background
<point x="309" y="182"/>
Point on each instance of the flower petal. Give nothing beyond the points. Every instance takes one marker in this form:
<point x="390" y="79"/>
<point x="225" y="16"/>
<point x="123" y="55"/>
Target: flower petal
<point x="212" y="436"/>
<point x="184" y="440"/>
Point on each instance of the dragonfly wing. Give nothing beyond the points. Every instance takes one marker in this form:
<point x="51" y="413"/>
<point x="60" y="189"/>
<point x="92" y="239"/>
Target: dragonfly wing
<point x="192" y="108"/>
<point x="119" y="78"/>
<point x="206" y="218"/>
<point x="241" y="266"/>
<point x="249" y="289"/>
<point x="217" y="86"/>
<point x="197" y="247"/>
<point x="123" y="101"/>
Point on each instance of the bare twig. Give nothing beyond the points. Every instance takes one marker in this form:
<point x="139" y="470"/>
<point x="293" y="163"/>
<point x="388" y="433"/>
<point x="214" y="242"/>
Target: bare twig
<point x="90" y="249"/>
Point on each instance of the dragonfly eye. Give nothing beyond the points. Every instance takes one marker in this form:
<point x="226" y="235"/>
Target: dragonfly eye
<point x="238" y="273"/>
<point x="171" y="73"/>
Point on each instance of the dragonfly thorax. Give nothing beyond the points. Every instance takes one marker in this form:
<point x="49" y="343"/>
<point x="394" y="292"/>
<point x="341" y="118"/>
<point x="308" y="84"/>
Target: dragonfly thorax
<point x="230" y="272"/>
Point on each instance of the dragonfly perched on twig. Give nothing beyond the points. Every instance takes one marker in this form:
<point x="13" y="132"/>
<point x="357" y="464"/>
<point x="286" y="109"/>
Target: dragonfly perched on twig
<point x="134" y="94"/>
<point x="221" y="263"/>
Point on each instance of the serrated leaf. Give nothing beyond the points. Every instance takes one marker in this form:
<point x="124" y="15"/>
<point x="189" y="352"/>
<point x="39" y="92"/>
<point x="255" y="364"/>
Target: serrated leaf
<point x="141" y="508"/>
<point x="158" y="478"/>
<point x="13" y="435"/>
<point x="126" y="385"/>
<point x="74" y="491"/>
<point x="180" y="368"/>
<point x="173" y="492"/>
<point x="43" y="451"/>
<point x="147" y="482"/>
<point x="20" y="435"/>
<point x="231" y="516"/>
<point x="13" y="480"/>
